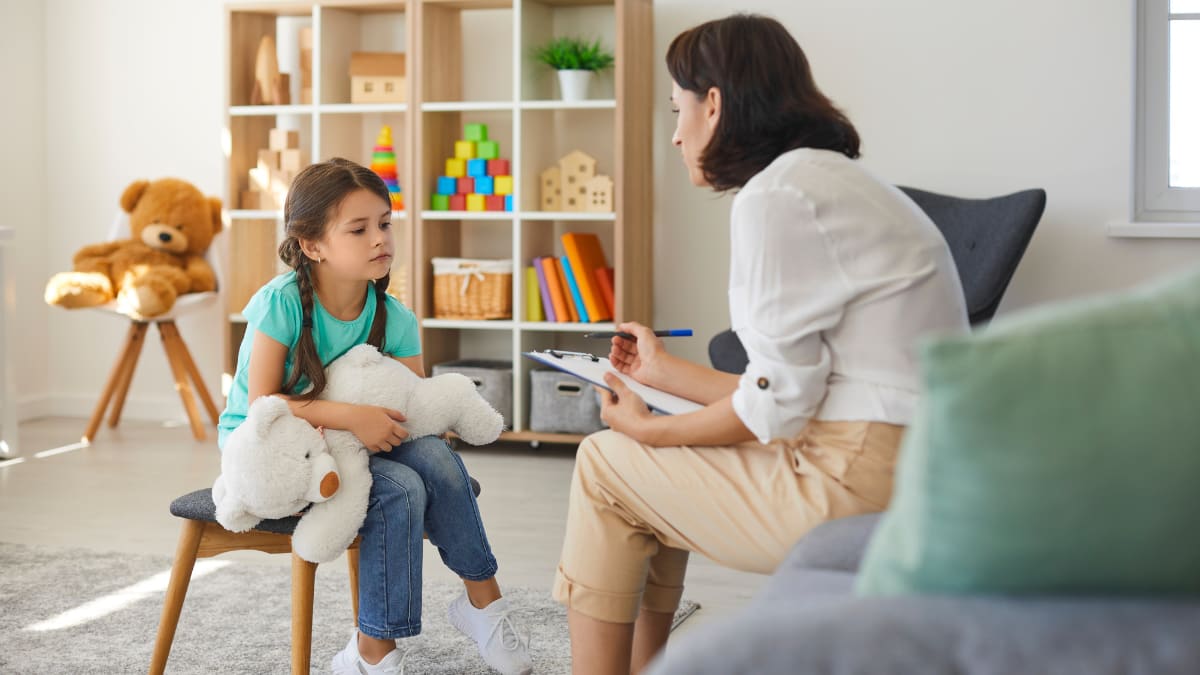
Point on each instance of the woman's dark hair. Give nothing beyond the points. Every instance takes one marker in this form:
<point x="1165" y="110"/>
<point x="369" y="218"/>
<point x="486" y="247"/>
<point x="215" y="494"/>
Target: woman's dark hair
<point x="312" y="201"/>
<point x="769" y="101"/>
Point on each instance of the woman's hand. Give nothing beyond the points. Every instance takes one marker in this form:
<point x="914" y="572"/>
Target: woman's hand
<point x="643" y="358"/>
<point x="624" y="411"/>
<point x="376" y="427"/>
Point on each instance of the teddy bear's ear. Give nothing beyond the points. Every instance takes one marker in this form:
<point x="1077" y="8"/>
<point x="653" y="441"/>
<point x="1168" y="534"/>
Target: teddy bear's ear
<point x="265" y="410"/>
<point x="133" y="194"/>
<point x="214" y="204"/>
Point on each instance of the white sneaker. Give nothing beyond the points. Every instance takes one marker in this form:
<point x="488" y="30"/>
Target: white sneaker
<point x="350" y="662"/>
<point x="493" y="629"/>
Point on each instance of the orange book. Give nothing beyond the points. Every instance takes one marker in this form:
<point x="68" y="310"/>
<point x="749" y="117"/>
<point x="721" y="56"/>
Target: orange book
<point x="565" y="289"/>
<point x="604" y="280"/>
<point x="586" y="255"/>
<point x="554" y="283"/>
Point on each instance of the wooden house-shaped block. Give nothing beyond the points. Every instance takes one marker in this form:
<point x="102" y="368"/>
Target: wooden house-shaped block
<point x="576" y="168"/>
<point x="377" y="77"/>
<point x="599" y="195"/>
<point x="551" y="192"/>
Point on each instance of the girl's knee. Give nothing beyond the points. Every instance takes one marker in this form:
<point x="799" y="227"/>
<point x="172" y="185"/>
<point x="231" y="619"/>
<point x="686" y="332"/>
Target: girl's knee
<point x="390" y="478"/>
<point x="436" y="461"/>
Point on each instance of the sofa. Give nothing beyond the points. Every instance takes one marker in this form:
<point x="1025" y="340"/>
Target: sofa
<point x="807" y="619"/>
<point x="1043" y="519"/>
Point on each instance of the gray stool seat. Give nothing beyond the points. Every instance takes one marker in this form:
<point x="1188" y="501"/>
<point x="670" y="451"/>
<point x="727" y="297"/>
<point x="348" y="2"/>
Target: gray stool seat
<point x="199" y="505"/>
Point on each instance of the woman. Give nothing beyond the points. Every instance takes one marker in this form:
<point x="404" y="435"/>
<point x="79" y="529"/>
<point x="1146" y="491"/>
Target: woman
<point x="834" y="276"/>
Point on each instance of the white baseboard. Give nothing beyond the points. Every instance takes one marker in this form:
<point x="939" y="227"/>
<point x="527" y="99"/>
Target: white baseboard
<point x="141" y="408"/>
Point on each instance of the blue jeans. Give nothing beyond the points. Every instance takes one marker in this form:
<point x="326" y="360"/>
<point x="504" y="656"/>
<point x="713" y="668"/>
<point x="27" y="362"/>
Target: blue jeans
<point x="420" y="487"/>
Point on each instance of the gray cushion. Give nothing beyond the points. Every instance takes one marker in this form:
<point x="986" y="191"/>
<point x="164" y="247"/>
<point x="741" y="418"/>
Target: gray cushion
<point x="199" y="505"/>
<point x="835" y="545"/>
<point x="936" y="635"/>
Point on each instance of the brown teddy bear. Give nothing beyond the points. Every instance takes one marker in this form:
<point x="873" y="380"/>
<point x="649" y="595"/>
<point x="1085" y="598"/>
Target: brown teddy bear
<point x="172" y="224"/>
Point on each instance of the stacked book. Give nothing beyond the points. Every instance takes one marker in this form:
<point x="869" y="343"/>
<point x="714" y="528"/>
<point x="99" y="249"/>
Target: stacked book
<point x="576" y="287"/>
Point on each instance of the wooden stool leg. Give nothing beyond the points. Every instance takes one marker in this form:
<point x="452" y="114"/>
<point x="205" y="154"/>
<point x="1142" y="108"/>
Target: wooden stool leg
<point x="190" y="365"/>
<point x="113" y="379"/>
<point x="181" y="574"/>
<point x="166" y="330"/>
<point x="352" y="563"/>
<point x="114" y="415"/>
<point x="304" y="576"/>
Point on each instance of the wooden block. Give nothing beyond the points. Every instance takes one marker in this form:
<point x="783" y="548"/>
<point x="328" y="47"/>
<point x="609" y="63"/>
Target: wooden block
<point x="282" y="139"/>
<point x="508" y="203"/>
<point x="377" y="89"/>
<point x="476" y="132"/>
<point x="551" y="189"/>
<point x="253" y="200"/>
<point x="466" y="185"/>
<point x="484" y="185"/>
<point x="498" y="167"/>
<point x="494" y="202"/>
<point x="440" y="202"/>
<point x="476" y="167"/>
<point x="502" y="185"/>
<point x="464" y="149"/>
<point x="487" y="149"/>
<point x="475" y="202"/>
<point x="447" y="185"/>
<point x="599" y="197"/>
<point x="268" y="160"/>
<point x="291" y="161"/>
<point x="458" y="202"/>
<point x="456" y="168"/>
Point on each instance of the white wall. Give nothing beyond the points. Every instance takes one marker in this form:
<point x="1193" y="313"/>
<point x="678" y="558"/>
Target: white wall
<point x="966" y="98"/>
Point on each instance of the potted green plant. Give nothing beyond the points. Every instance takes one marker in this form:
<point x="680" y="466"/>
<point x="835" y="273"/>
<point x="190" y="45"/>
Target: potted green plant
<point x="575" y="59"/>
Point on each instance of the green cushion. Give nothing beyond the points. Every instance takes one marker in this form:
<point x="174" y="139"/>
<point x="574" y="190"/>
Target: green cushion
<point x="1055" y="452"/>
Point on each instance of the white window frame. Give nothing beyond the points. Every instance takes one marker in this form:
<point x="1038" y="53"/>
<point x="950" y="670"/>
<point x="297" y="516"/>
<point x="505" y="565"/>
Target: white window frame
<point x="1154" y="199"/>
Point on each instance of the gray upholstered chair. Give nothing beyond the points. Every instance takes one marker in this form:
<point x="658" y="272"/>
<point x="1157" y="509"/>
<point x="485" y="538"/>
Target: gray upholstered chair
<point x="203" y="537"/>
<point x="987" y="238"/>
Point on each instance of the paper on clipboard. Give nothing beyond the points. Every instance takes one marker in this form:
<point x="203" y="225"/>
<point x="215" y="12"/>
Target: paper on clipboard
<point x="590" y="368"/>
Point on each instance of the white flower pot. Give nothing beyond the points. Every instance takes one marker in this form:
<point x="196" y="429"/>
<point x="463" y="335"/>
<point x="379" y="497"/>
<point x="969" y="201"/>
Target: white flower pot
<point x="573" y="84"/>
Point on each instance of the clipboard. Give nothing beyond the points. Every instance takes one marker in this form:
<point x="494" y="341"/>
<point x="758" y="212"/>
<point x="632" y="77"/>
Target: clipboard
<point x="591" y="368"/>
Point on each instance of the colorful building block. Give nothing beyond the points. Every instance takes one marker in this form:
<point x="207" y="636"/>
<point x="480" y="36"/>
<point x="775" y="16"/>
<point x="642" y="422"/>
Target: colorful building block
<point x="484" y="186"/>
<point x="475" y="202"/>
<point x="508" y="202"/>
<point x="458" y="202"/>
<point x="464" y="150"/>
<point x="465" y="186"/>
<point x="476" y="167"/>
<point x="502" y="185"/>
<point x="494" y="202"/>
<point x="440" y="202"/>
<point x="476" y="132"/>
<point x="447" y="185"/>
<point x="487" y="150"/>
<point x="456" y="168"/>
<point x="498" y="167"/>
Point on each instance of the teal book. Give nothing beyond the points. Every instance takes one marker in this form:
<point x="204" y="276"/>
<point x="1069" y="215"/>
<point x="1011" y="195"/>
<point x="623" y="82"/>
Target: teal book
<point x="575" y="295"/>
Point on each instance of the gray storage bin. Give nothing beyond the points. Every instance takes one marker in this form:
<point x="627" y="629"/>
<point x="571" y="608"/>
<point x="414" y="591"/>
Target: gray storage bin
<point x="561" y="403"/>
<point x="493" y="379"/>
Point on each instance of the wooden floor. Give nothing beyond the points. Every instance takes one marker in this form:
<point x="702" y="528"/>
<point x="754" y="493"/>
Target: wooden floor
<point x="113" y="496"/>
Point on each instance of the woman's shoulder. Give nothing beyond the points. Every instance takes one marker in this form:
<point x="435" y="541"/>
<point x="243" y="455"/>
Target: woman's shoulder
<point x="804" y="170"/>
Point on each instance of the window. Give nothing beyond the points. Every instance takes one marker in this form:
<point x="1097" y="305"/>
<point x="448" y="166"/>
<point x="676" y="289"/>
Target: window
<point x="1168" y="111"/>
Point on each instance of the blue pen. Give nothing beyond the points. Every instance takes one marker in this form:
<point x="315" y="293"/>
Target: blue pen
<point x="674" y="332"/>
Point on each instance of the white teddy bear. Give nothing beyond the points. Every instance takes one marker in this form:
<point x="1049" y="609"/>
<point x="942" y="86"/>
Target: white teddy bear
<point x="363" y="375"/>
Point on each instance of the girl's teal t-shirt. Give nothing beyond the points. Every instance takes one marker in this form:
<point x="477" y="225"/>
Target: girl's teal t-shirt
<point x="276" y="311"/>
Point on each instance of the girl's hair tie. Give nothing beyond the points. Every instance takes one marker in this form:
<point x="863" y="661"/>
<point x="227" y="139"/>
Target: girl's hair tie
<point x="307" y="323"/>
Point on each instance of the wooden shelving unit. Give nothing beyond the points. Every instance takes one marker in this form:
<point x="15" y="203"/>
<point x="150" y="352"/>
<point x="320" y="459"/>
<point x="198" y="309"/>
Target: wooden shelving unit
<point x="468" y="61"/>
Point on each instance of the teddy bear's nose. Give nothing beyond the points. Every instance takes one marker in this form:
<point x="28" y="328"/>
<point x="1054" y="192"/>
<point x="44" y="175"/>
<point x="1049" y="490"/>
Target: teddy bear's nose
<point x="164" y="237"/>
<point x="329" y="485"/>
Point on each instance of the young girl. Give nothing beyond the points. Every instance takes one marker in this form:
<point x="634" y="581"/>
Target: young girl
<point x="339" y="246"/>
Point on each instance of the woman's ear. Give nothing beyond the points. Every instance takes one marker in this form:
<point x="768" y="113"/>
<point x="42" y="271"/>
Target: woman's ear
<point x="712" y="107"/>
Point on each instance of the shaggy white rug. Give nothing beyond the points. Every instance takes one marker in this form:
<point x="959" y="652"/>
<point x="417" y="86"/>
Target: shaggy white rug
<point x="79" y="611"/>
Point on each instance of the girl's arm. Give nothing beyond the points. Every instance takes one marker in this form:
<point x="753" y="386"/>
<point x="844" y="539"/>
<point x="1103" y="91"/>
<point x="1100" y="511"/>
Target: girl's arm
<point x="378" y="428"/>
<point x="715" y="424"/>
<point x="414" y="363"/>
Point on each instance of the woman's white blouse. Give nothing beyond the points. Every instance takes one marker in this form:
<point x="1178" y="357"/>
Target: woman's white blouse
<point x="834" y="278"/>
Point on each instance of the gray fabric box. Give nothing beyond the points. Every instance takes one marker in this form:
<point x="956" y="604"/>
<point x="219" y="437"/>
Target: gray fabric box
<point x="563" y="404"/>
<point x="493" y="379"/>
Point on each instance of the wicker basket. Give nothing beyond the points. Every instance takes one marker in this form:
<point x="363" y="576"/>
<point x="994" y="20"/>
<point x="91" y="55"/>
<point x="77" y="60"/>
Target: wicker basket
<point x="472" y="289"/>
